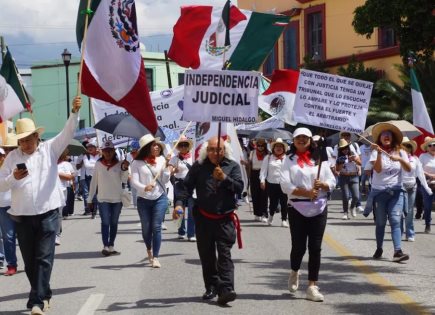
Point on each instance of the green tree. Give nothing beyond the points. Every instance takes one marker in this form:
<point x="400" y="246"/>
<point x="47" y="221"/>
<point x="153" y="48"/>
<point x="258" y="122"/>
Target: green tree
<point x="356" y="70"/>
<point x="413" y="23"/>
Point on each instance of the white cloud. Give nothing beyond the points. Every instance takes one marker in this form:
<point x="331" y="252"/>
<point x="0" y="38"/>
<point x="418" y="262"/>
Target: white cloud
<point x="48" y="21"/>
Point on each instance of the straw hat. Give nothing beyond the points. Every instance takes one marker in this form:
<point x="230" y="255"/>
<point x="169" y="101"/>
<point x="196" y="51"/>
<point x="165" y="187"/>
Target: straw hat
<point x="342" y="144"/>
<point x="184" y="139"/>
<point x="25" y="127"/>
<point x="11" y="141"/>
<point x="406" y="140"/>
<point x="384" y="126"/>
<point x="427" y="140"/>
<point x="279" y="141"/>
<point x="147" y="139"/>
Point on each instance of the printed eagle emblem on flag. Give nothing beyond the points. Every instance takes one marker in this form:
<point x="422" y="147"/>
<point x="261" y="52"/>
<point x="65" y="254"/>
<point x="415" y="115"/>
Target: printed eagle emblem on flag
<point x="122" y="21"/>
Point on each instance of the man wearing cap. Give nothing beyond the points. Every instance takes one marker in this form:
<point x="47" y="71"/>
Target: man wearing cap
<point x="217" y="179"/>
<point x="30" y="172"/>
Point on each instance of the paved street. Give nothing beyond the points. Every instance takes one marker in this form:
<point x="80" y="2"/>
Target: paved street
<point x="84" y="282"/>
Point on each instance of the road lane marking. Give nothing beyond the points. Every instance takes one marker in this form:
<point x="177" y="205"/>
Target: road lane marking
<point x="91" y="304"/>
<point x="398" y="296"/>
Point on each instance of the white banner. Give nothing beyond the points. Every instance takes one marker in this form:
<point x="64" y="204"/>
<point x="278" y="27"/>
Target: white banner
<point x="271" y="122"/>
<point x="331" y="101"/>
<point x="168" y="108"/>
<point x="221" y="96"/>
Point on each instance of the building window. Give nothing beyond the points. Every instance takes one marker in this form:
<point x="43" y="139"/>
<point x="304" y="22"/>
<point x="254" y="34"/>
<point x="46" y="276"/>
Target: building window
<point x="291" y="46"/>
<point x="150" y="78"/>
<point x="271" y="62"/>
<point x="315" y="33"/>
<point x="387" y="37"/>
<point x="81" y="123"/>
<point x="180" y="78"/>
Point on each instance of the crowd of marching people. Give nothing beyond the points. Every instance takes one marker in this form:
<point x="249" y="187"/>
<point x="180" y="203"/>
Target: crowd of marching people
<point x="39" y="183"/>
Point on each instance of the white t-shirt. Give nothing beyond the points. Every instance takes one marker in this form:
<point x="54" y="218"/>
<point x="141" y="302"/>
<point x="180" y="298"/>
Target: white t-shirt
<point x="349" y="167"/>
<point x="365" y="154"/>
<point x="428" y="162"/>
<point x="66" y="168"/>
<point x="256" y="163"/>
<point x="271" y="169"/>
<point x="391" y="173"/>
<point x="181" y="165"/>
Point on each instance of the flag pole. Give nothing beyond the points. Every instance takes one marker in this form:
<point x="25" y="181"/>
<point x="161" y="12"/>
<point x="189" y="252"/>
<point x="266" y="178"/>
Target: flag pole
<point x="87" y="12"/>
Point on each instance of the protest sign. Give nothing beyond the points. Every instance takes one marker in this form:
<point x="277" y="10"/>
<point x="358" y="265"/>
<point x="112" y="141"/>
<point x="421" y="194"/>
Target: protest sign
<point x="332" y="101"/>
<point x="221" y="96"/>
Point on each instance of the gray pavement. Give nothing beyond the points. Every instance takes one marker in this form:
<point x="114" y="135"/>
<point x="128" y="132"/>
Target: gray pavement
<point x="84" y="282"/>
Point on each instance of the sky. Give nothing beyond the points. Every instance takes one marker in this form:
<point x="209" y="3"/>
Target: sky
<point x="39" y="30"/>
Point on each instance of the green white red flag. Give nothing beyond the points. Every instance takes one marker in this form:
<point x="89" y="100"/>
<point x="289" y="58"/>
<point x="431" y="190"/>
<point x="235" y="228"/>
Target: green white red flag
<point x="420" y="116"/>
<point x="113" y="69"/>
<point x="196" y="43"/>
<point x="10" y="104"/>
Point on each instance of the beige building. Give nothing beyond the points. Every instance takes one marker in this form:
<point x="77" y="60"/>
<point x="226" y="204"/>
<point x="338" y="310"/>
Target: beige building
<point x="323" y="29"/>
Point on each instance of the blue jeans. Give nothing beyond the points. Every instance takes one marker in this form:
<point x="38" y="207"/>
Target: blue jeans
<point x="109" y="213"/>
<point x="389" y="204"/>
<point x="36" y="236"/>
<point x="409" y="219"/>
<point x="8" y="233"/>
<point x="427" y="206"/>
<point x="349" y="187"/>
<point x="151" y="213"/>
<point x="190" y="220"/>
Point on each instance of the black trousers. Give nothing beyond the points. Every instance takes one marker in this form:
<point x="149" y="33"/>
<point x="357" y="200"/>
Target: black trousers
<point x="277" y="196"/>
<point x="303" y="229"/>
<point x="215" y="236"/>
<point x="259" y="196"/>
<point x="36" y="237"/>
<point x="69" y="204"/>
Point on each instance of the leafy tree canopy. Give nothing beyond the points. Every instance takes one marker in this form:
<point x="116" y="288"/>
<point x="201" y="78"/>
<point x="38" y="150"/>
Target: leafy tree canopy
<point x="413" y="22"/>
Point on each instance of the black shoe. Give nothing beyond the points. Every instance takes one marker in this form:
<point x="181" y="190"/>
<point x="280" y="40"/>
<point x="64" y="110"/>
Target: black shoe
<point x="400" y="256"/>
<point x="427" y="229"/>
<point x="418" y="216"/>
<point x="226" y="297"/>
<point x="378" y="253"/>
<point x="87" y="213"/>
<point x="209" y="294"/>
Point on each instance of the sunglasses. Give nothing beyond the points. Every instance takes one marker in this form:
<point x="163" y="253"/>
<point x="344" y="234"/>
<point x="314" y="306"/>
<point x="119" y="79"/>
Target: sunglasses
<point x="183" y="144"/>
<point x="431" y="145"/>
<point x="260" y="146"/>
<point x="408" y="146"/>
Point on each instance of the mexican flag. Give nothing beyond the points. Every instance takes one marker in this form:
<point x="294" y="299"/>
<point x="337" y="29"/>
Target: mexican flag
<point x="252" y="37"/>
<point x="113" y="69"/>
<point x="279" y="98"/>
<point x="10" y="73"/>
<point x="420" y="115"/>
<point x="10" y="104"/>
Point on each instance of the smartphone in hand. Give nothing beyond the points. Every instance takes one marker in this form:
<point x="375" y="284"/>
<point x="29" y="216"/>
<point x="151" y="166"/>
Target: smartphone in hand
<point x="21" y="166"/>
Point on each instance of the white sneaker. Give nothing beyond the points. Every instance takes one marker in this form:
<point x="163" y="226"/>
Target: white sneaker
<point x="164" y="227"/>
<point x="284" y="224"/>
<point x="264" y="219"/>
<point x="360" y="209"/>
<point x="293" y="281"/>
<point x="156" y="263"/>
<point x="270" y="220"/>
<point x="353" y="212"/>
<point x="191" y="239"/>
<point x="313" y="294"/>
<point x="57" y="241"/>
<point x="257" y="218"/>
<point x="345" y="217"/>
<point x="411" y="239"/>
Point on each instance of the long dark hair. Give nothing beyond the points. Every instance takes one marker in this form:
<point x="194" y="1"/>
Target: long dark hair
<point x="145" y="151"/>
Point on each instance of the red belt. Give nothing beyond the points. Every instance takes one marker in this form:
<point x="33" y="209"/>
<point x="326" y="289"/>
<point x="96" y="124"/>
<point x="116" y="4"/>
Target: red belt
<point x="233" y="216"/>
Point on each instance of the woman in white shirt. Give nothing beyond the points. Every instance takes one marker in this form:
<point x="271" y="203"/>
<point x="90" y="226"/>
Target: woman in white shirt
<point x="270" y="177"/>
<point x="308" y="208"/>
<point x="388" y="160"/>
<point x="347" y="166"/>
<point x="108" y="176"/>
<point x="149" y="176"/>
<point x="259" y="196"/>
<point x="427" y="160"/>
<point x="410" y="185"/>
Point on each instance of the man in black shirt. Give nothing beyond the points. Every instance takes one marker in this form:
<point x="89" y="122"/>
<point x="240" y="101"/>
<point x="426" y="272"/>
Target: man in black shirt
<point x="217" y="179"/>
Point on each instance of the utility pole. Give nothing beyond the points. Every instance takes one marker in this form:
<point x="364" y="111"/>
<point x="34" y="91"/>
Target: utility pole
<point x="3" y="48"/>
